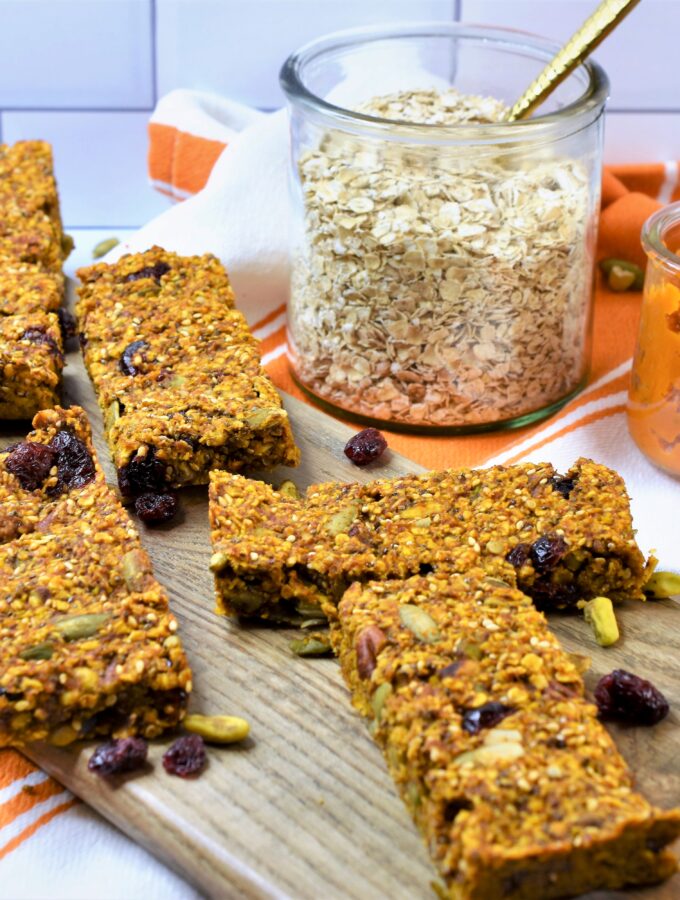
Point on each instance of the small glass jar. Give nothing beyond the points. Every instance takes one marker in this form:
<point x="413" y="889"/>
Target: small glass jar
<point x="441" y="273"/>
<point x="654" y="395"/>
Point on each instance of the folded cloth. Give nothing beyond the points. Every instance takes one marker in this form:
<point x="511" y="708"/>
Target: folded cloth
<point x="229" y="164"/>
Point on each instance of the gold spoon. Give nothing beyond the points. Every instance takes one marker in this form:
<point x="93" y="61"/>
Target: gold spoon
<point x="593" y="31"/>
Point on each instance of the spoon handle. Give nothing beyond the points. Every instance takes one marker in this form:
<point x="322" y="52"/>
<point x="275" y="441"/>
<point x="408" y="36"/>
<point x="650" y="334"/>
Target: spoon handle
<point x="593" y="31"/>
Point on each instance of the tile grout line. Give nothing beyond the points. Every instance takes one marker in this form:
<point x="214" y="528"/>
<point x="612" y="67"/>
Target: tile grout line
<point x="154" y="52"/>
<point x="457" y="10"/>
<point x="77" y="109"/>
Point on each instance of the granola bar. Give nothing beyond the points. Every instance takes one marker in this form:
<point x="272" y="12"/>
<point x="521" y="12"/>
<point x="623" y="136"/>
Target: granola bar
<point x="89" y="645"/>
<point x="567" y="537"/>
<point x="32" y="249"/>
<point x="177" y="372"/>
<point x="31" y="361"/>
<point x="518" y="789"/>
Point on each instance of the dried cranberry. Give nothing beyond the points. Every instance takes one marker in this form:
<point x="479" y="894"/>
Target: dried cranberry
<point x="365" y="447"/>
<point x="629" y="698"/>
<point x="562" y="485"/>
<point x="39" y="336"/>
<point x="156" y="508"/>
<point x="485" y="716"/>
<point x="118" y="756"/>
<point x="127" y="359"/>
<point x="156" y="271"/>
<point x="518" y="555"/>
<point x="141" y="475"/>
<point x="547" y="551"/>
<point x="547" y="596"/>
<point x="75" y="466"/>
<point x="186" y="756"/>
<point x="31" y="463"/>
<point x="450" y="670"/>
<point x="67" y="323"/>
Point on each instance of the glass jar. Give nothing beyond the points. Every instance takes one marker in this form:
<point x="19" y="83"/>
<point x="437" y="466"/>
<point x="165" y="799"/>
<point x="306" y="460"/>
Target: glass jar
<point x="442" y="271"/>
<point x="654" y="395"/>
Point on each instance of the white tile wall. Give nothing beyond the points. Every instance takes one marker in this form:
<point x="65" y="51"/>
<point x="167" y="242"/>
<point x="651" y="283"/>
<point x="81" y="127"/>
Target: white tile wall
<point x="85" y="74"/>
<point x="640" y="57"/>
<point x="76" y="53"/>
<point x="100" y="160"/>
<point x="237" y="47"/>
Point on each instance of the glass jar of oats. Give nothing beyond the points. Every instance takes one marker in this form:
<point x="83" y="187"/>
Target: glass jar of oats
<point x="442" y="258"/>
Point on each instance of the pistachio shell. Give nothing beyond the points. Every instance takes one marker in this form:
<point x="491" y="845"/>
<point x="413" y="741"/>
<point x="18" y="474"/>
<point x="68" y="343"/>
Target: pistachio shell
<point x="662" y="585"/>
<point x="599" y="614"/>
<point x="289" y="489"/>
<point x="217" y="729"/>
<point x="419" y="623"/>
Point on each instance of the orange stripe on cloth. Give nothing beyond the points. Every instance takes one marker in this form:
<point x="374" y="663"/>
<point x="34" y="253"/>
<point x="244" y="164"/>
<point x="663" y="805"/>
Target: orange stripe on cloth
<point x="269" y="317"/>
<point x="36" y="826"/>
<point x="13" y="766"/>
<point x="27" y="799"/>
<point x="179" y="160"/>
<point x="572" y="427"/>
<point x="614" y="332"/>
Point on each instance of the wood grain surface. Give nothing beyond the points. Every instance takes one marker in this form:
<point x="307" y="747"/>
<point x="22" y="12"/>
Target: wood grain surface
<point x="305" y="808"/>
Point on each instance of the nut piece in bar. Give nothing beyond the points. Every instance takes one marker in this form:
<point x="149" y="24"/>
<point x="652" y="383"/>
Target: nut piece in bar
<point x="177" y="372"/>
<point x="564" y="537"/>
<point x="517" y="787"/>
<point x="88" y="643"/>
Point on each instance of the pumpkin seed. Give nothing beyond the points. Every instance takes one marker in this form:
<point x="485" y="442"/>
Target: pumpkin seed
<point x="135" y="565"/>
<point x="74" y="628"/>
<point x="103" y="247"/>
<point x="217" y="729"/>
<point x="381" y="694"/>
<point x="340" y="522"/>
<point x="39" y="651"/>
<point x="258" y="417"/>
<point x="311" y="645"/>
<point x="496" y="582"/>
<point x="419" y="623"/>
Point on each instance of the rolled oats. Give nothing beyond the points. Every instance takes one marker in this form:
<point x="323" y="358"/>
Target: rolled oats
<point x="434" y="288"/>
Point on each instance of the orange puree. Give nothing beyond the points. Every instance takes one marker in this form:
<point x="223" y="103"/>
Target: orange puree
<point x="654" y="400"/>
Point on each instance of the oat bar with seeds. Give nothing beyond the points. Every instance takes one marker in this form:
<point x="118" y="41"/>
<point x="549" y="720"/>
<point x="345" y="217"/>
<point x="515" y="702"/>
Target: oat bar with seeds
<point x="32" y="249"/>
<point x="89" y="645"/>
<point x="517" y="788"/>
<point x="31" y="362"/>
<point x="177" y="372"/>
<point x="566" y="537"/>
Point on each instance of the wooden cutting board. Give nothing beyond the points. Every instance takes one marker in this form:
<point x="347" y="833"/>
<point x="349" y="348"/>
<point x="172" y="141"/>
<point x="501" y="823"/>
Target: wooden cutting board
<point x="305" y="808"/>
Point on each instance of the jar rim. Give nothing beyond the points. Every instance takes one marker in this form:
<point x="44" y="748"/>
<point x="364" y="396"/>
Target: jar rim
<point x="590" y="101"/>
<point x="653" y="236"/>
